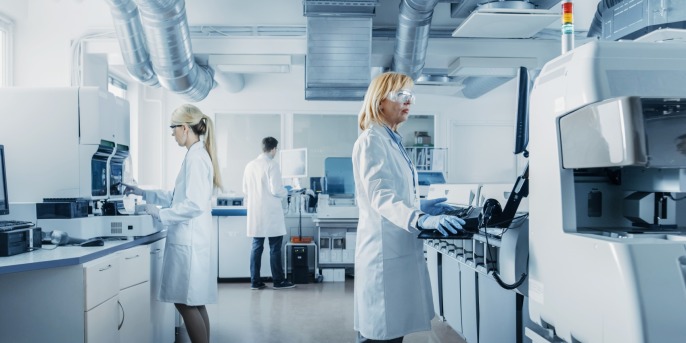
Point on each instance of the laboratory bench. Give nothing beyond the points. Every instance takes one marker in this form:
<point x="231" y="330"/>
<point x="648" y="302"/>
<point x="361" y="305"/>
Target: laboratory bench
<point x="86" y="294"/>
<point x="234" y="246"/>
<point x="51" y="256"/>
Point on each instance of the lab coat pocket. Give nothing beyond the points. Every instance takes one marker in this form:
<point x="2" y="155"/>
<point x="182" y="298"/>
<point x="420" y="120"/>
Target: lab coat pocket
<point x="179" y="234"/>
<point x="398" y="242"/>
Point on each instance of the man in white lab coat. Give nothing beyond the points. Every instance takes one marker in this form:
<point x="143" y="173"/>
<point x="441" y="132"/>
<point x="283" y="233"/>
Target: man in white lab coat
<point x="263" y="193"/>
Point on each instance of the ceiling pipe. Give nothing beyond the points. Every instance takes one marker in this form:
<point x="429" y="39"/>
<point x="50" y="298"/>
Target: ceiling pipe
<point x="169" y="42"/>
<point x="412" y="37"/>
<point x="231" y="82"/>
<point x="127" y="25"/>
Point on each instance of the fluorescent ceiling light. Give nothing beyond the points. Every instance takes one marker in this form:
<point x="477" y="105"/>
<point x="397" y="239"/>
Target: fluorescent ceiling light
<point x="253" y="68"/>
<point x="490" y="66"/>
<point x="251" y="63"/>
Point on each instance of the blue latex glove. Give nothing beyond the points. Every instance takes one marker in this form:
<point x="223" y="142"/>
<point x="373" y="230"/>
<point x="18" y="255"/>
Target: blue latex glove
<point x="288" y="189"/>
<point x="131" y="189"/>
<point x="434" y="206"/>
<point x="442" y="223"/>
<point x="153" y="210"/>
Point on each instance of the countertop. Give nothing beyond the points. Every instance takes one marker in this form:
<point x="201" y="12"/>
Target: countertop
<point x="67" y="255"/>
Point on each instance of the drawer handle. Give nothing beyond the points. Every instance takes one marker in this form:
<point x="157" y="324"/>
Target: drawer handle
<point x="155" y="252"/>
<point x="106" y="268"/>
<point x="123" y="315"/>
<point x="132" y="257"/>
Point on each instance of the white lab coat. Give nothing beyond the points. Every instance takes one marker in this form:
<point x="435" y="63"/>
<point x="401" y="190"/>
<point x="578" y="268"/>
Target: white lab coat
<point x="392" y="287"/>
<point x="263" y="194"/>
<point x="189" y="273"/>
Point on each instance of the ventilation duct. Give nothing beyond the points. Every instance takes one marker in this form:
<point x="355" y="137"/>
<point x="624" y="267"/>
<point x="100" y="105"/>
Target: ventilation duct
<point x="168" y="40"/>
<point x="596" y="28"/>
<point x="631" y="19"/>
<point x="412" y="37"/>
<point x="127" y="24"/>
<point x="339" y="46"/>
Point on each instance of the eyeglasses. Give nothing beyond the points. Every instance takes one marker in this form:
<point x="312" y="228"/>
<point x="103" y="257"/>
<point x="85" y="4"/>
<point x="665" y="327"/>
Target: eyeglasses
<point x="402" y="96"/>
<point x="174" y="126"/>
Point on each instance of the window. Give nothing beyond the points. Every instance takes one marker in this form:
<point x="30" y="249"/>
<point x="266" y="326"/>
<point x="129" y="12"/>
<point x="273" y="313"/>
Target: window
<point x="323" y="136"/>
<point x="239" y="141"/>
<point x="6" y="35"/>
<point x="116" y="87"/>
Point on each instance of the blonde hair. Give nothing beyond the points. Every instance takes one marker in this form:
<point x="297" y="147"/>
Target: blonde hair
<point x="201" y="124"/>
<point x="378" y="91"/>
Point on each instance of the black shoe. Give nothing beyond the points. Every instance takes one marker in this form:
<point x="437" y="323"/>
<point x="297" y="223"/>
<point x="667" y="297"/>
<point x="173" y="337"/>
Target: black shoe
<point x="260" y="285"/>
<point x="283" y="285"/>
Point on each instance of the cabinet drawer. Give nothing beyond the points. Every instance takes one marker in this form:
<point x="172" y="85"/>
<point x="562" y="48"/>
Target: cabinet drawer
<point x="134" y="266"/>
<point x="101" y="280"/>
<point x="102" y="322"/>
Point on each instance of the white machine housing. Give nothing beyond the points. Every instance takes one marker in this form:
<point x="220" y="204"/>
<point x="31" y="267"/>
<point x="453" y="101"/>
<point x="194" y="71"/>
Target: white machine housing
<point x="336" y="208"/>
<point x="104" y="226"/>
<point x="69" y="142"/>
<point x="590" y="284"/>
<point x="51" y="135"/>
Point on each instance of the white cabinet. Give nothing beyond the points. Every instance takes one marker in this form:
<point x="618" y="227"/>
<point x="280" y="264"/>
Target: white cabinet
<point x="103" y="300"/>
<point x="162" y="314"/>
<point x="102" y="322"/>
<point x="134" y="294"/>
<point x="234" y="248"/>
<point x="101" y="282"/>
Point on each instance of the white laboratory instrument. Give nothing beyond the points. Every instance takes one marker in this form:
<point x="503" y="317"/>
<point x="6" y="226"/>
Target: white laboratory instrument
<point x="72" y="146"/>
<point x="603" y="110"/>
<point x="336" y="207"/>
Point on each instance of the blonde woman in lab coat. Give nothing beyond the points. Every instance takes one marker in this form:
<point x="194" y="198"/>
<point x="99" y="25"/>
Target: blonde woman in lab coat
<point x="189" y="277"/>
<point x="392" y="291"/>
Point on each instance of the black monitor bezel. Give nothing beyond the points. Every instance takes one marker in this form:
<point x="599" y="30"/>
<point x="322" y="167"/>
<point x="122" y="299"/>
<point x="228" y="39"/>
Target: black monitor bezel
<point x="521" y="139"/>
<point x="5" y="210"/>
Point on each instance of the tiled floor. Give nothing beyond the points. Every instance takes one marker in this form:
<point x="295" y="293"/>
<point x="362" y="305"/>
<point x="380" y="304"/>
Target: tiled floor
<point x="309" y="313"/>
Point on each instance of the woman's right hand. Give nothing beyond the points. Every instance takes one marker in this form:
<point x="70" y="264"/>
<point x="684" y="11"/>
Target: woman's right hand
<point x="131" y="189"/>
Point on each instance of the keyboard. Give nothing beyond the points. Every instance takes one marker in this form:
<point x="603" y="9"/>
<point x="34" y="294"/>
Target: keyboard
<point x="9" y="225"/>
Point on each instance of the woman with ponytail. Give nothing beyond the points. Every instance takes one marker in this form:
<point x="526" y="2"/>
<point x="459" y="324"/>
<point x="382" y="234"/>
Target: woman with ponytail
<point x="189" y="277"/>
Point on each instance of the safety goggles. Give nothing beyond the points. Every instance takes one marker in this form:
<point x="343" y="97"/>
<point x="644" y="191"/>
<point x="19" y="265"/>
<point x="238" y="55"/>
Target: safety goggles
<point x="402" y="96"/>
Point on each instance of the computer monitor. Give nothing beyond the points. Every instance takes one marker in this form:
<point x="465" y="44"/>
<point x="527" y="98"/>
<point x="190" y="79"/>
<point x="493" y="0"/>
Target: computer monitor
<point x="293" y="164"/>
<point x="4" y="202"/>
<point x="522" y="120"/>
<point x="338" y="180"/>
<point x="427" y="178"/>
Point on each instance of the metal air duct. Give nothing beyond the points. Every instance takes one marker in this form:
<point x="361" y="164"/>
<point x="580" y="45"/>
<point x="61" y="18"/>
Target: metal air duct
<point x="169" y="41"/>
<point x="596" y="28"/>
<point x="412" y="37"/>
<point x="127" y="24"/>
<point x="339" y="47"/>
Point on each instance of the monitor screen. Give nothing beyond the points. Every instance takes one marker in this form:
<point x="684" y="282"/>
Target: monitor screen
<point x="338" y="178"/>
<point x="4" y="202"/>
<point x="293" y="163"/>
<point x="427" y="178"/>
<point x="522" y="120"/>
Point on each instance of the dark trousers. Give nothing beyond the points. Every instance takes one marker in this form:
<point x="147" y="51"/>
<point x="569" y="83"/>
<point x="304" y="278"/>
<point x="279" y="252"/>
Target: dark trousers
<point x="275" y="260"/>
<point x="362" y="339"/>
